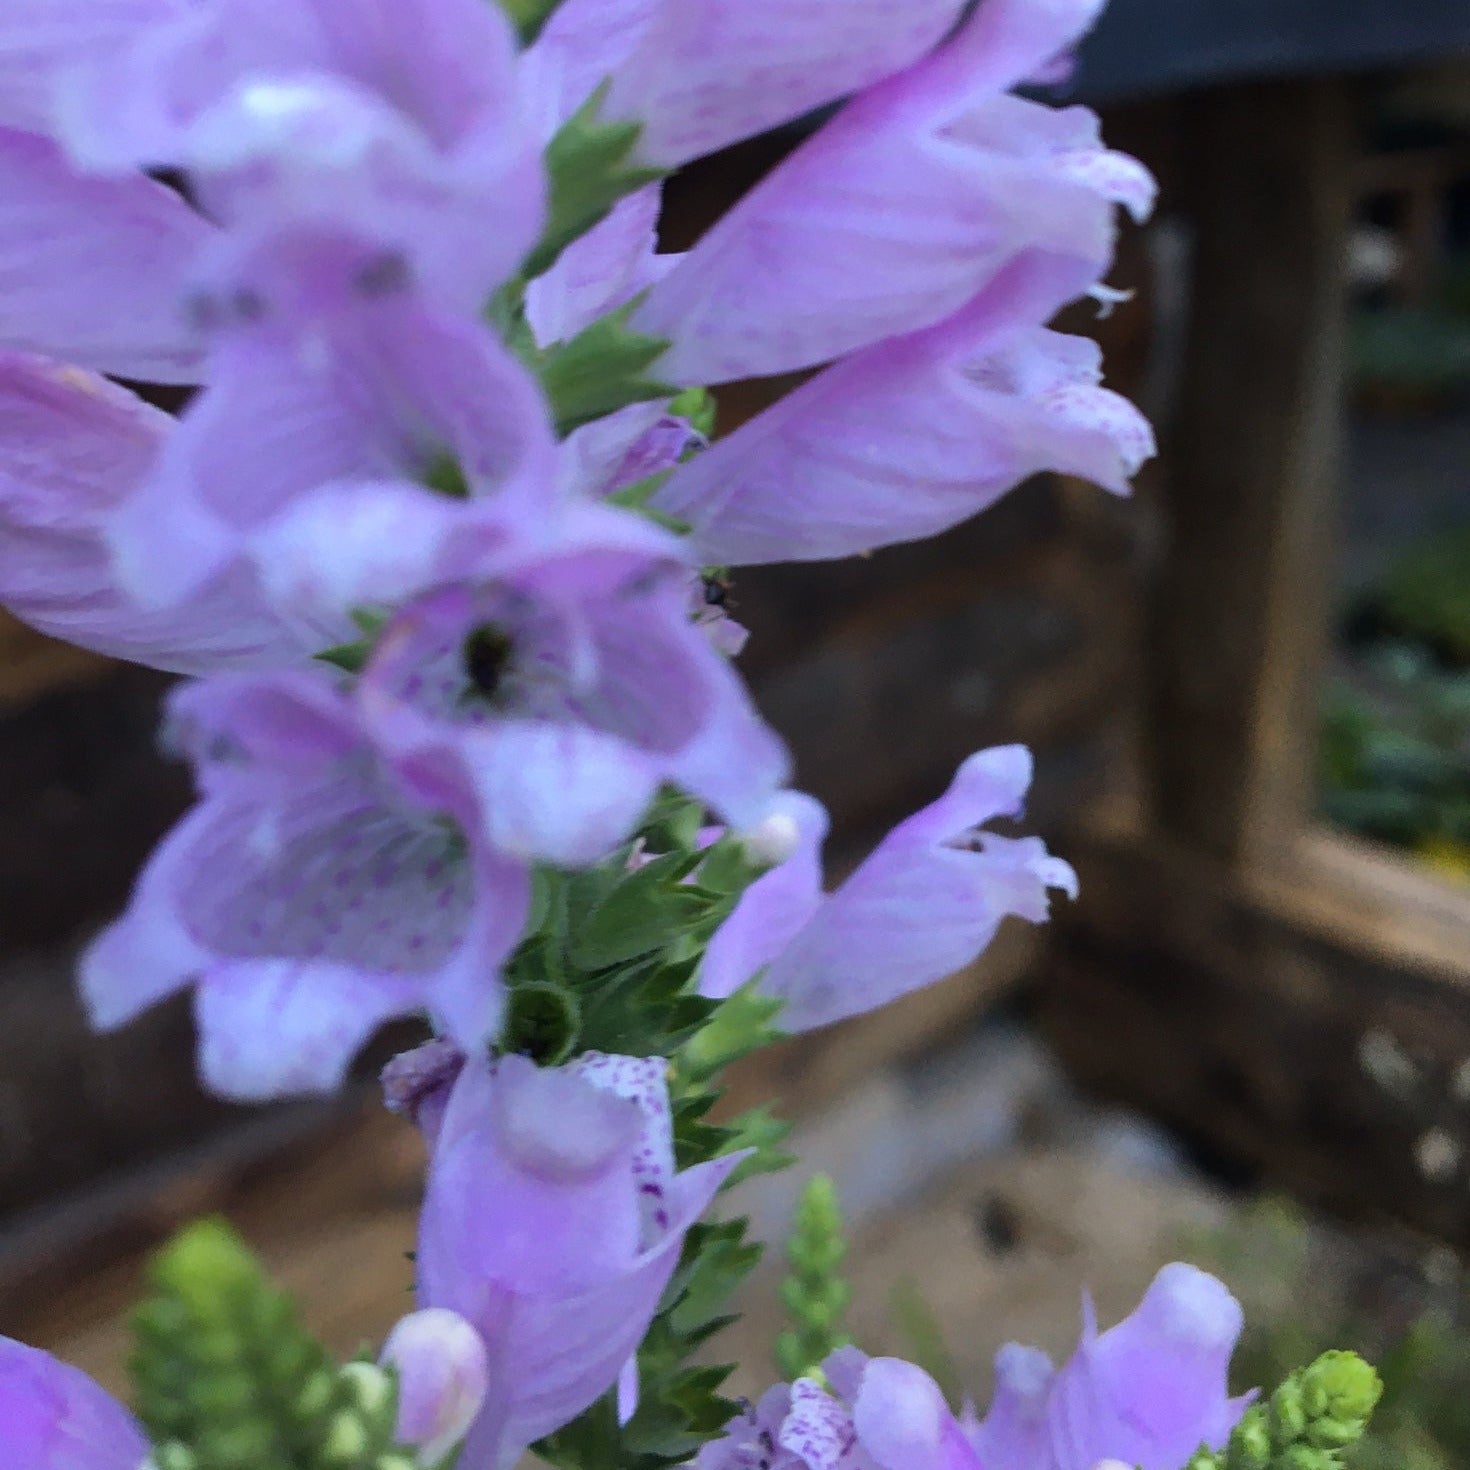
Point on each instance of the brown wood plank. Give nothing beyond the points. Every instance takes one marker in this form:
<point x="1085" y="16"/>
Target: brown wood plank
<point x="1239" y="614"/>
<point x="1289" y="1024"/>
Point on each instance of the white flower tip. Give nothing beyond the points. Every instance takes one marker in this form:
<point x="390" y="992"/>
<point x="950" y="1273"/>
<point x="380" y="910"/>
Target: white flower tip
<point x="1023" y="1374"/>
<point x="443" y="1376"/>
<point x="772" y="840"/>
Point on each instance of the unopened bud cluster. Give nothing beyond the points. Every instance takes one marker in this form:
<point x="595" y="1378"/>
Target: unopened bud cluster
<point x="1307" y="1424"/>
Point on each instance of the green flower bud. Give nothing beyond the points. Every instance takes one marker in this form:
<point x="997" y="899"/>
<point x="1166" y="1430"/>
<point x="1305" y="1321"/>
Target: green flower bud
<point x="369" y="1389"/>
<point x="1341" y="1391"/>
<point x="1250" y="1445"/>
<point x="1288" y="1412"/>
<point x="347" y="1440"/>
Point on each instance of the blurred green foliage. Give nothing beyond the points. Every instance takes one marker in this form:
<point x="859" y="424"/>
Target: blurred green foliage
<point x="1395" y="754"/>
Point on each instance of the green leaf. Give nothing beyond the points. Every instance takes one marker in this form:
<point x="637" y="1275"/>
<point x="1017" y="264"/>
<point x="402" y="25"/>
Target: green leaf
<point x="600" y="370"/>
<point x="530" y="16"/>
<point x="639" y="915"/>
<point x="590" y="164"/>
<point x="351" y="658"/>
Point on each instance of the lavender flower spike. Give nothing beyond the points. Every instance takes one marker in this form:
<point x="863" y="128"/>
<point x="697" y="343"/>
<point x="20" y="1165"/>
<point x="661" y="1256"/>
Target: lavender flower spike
<point x="901" y="209"/>
<point x="304" y="898"/>
<point x="1147" y="1393"/>
<point x="904" y="439"/>
<point x="54" y="1417"/>
<point x="553" y="1222"/>
<point x="926" y="901"/>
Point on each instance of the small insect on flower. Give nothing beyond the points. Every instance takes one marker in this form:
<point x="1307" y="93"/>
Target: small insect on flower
<point x="487" y="656"/>
<point x="718" y="585"/>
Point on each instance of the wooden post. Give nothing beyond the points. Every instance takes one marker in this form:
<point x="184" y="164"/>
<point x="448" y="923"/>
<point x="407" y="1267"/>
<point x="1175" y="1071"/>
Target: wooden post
<point x="1241" y="605"/>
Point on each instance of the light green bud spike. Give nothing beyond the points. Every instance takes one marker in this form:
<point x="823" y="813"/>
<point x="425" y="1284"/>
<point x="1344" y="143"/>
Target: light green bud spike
<point x="814" y="1294"/>
<point x="226" y="1378"/>
<point x="1318" y="1413"/>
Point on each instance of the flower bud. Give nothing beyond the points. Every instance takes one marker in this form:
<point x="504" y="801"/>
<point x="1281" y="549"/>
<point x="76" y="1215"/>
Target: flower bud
<point x="1250" y="1445"/>
<point x="772" y="840"/>
<point x="443" y="1374"/>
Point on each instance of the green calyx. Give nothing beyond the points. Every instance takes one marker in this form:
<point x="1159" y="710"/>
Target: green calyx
<point x="529" y="16"/>
<point x="814" y="1293"/>
<point x="600" y="370"/>
<point x="590" y="165"/>
<point x="226" y="1378"/>
<point x="1316" y="1415"/>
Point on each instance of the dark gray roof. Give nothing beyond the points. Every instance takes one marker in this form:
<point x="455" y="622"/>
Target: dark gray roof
<point x="1158" y="46"/>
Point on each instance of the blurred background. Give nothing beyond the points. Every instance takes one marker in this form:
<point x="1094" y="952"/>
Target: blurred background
<point x="1248" y="691"/>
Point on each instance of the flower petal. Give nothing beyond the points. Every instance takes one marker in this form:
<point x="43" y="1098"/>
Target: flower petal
<point x="72" y="445"/>
<point x="773" y="910"/>
<point x="926" y="901"/>
<point x="54" y="1417"/>
<point x="1153" y="1389"/>
<point x="398" y="121"/>
<point x="331" y="374"/>
<point x="893" y="216"/>
<point x="276" y="1028"/>
<point x="560" y="1355"/>
<point x="710" y="72"/>
<point x="40" y="40"/>
<point x="903" y="1422"/>
<point x="306" y="904"/>
<point x="1014" y="1431"/>
<point x="92" y="270"/>
<point x="905" y="439"/>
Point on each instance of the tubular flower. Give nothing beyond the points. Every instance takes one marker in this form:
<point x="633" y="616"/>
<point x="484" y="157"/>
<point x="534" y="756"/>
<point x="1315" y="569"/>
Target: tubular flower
<point x="927" y="900"/>
<point x="905" y="439"/>
<point x="901" y="209"/>
<point x="549" y="677"/>
<point x="553" y="1221"/>
<point x="304" y="898"/>
<point x="1147" y="1393"/>
<point x="327" y="365"/>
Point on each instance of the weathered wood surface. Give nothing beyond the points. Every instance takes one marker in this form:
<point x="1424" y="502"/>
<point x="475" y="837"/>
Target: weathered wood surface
<point x="1239" y="613"/>
<point x="1312" y="1027"/>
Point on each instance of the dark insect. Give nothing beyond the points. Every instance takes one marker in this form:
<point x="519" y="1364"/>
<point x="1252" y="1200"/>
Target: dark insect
<point x="717" y="589"/>
<point x="486" y="657"/>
